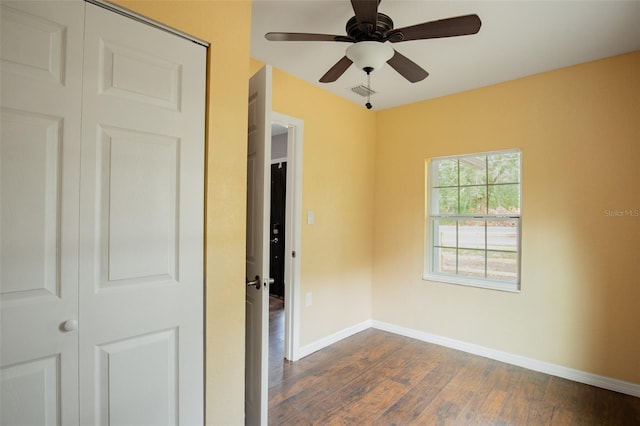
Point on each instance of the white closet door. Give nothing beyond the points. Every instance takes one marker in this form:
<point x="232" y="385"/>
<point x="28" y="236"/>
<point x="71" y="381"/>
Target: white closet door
<point x="41" y="67"/>
<point x="141" y="221"/>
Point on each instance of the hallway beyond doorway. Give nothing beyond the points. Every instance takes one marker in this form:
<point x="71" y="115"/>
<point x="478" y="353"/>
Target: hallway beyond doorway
<point x="276" y="340"/>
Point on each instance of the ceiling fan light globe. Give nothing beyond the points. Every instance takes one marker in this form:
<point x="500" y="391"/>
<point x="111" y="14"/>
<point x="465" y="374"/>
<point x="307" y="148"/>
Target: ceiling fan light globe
<point x="369" y="54"/>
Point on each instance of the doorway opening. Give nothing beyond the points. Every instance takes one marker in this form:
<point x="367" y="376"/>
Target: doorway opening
<point x="279" y="135"/>
<point x="285" y="230"/>
<point x="277" y="237"/>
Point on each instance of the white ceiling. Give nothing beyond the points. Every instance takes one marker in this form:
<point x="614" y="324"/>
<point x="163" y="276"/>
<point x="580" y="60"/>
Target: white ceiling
<point x="517" y="38"/>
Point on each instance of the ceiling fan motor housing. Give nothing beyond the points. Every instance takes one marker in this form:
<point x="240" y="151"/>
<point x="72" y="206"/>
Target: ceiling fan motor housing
<point x="366" y="32"/>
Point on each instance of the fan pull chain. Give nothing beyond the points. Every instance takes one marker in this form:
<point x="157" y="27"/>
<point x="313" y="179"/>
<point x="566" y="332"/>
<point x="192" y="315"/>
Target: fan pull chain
<point x="368" y="104"/>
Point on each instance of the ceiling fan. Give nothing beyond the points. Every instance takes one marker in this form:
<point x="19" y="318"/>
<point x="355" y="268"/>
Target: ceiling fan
<point x="369" y="30"/>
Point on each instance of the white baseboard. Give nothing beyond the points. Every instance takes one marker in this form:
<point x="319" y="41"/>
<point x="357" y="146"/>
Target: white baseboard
<point x="604" y="382"/>
<point x="333" y="338"/>
<point x="521" y="361"/>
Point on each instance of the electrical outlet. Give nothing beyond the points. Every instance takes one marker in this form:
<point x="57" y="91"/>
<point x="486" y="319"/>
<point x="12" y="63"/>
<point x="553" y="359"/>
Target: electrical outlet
<point x="308" y="300"/>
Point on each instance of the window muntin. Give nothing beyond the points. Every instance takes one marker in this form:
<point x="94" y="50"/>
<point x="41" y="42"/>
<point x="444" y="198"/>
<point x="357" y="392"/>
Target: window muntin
<point x="474" y="219"/>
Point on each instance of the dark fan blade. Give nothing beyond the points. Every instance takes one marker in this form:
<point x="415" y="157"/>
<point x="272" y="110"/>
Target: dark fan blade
<point x="451" y="27"/>
<point x="306" y="37"/>
<point x="336" y="71"/>
<point x="407" y="68"/>
<point x="366" y="11"/>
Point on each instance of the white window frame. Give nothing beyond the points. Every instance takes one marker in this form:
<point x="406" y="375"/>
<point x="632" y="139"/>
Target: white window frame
<point x="429" y="272"/>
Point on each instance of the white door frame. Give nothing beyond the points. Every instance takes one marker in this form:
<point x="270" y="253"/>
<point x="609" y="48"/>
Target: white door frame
<point x="293" y="231"/>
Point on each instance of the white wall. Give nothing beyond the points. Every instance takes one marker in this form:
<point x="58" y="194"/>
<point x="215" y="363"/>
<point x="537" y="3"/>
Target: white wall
<point x="279" y="146"/>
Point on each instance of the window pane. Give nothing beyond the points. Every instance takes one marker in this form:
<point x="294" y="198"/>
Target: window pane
<point x="444" y="260"/>
<point x="502" y="266"/>
<point x="444" y="233"/>
<point x="504" y="168"/>
<point x="446" y="201"/>
<point x="504" y="199"/>
<point x="471" y="263"/>
<point x="471" y="234"/>
<point x="473" y="170"/>
<point x="474" y="209"/>
<point x="502" y="235"/>
<point x="473" y="200"/>
<point x="446" y="172"/>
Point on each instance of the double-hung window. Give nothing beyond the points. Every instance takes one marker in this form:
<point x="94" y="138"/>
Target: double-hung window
<point x="473" y="220"/>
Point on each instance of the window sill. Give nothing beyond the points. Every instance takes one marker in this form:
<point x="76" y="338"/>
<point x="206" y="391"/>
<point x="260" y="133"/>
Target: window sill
<point x="470" y="282"/>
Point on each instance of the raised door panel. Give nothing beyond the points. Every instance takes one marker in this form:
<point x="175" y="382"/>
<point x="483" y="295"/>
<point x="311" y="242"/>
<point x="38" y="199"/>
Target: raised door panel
<point x="30" y="209"/>
<point x="138" y="76"/>
<point x="34" y="46"/>
<point x="138" y="173"/>
<point x="136" y="380"/>
<point x="41" y="84"/>
<point x="26" y="382"/>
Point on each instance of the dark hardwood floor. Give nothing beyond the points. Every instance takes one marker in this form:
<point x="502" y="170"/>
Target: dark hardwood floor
<point x="276" y="341"/>
<point x="379" y="378"/>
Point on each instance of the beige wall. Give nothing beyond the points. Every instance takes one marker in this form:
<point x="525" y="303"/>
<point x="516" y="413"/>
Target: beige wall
<point x="226" y="25"/>
<point x="337" y="184"/>
<point x="579" y="132"/>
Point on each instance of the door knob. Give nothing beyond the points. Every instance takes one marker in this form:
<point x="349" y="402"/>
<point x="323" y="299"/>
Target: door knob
<point x="70" y="325"/>
<point x="255" y="282"/>
<point x="269" y="281"/>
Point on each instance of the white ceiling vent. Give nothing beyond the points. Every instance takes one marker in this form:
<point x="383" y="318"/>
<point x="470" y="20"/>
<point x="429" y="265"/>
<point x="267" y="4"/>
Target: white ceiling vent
<point x="363" y="90"/>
